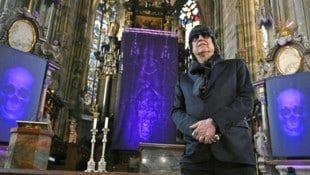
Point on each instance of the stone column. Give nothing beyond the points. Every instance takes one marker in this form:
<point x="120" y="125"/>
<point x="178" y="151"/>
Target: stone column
<point x="107" y="72"/>
<point x="247" y="33"/>
<point x="51" y="66"/>
<point x="104" y="92"/>
<point x="263" y="168"/>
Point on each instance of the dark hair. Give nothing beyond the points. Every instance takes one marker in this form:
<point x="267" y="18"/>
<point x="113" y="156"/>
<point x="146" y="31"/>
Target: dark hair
<point x="199" y="29"/>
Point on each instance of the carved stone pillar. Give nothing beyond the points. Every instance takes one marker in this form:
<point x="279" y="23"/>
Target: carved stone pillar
<point x="51" y="67"/>
<point x="264" y="167"/>
<point x="206" y="9"/>
<point x="104" y="93"/>
<point x="107" y="72"/>
<point x="247" y="39"/>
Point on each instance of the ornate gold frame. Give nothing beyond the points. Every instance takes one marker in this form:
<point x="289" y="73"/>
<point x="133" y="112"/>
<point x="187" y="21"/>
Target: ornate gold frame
<point x="148" y="22"/>
<point x="288" y="60"/>
<point x="22" y="44"/>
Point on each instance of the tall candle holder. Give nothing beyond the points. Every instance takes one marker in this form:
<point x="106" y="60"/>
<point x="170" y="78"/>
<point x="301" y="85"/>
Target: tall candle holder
<point x="91" y="163"/>
<point x="102" y="163"/>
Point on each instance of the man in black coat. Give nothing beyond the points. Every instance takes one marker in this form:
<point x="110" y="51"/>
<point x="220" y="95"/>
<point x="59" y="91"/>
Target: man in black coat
<point x="211" y="103"/>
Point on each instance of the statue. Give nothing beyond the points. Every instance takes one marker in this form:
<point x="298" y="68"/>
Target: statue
<point x="72" y="133"/>
<point x="167" y="25"/>
<point x="265" y="69"/>
<point x="110" y="59"/>
<point x="260" y="140"/>
<point x="49" y="107"/>
<point x="52" y="49"/>
<point x="181" y="34"/>
<point x="128" y="21"/>
<point x="113" y="29"/>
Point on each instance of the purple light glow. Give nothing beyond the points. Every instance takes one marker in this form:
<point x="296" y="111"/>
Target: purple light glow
<point x="287" y="105"/>
<point x="146" y="94"/>
<point x="21" y="80"/>
<point x="291" y="112"/>
<point x="15" y="92"/>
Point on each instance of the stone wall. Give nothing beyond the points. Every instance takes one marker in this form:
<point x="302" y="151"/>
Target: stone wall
<point x="230" y="47"/>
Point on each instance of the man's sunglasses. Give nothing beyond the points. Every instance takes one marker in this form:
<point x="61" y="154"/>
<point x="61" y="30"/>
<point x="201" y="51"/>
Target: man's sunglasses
<point x="204" y="34"/>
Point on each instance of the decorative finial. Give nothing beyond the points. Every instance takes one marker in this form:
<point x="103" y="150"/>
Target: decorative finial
<point x="94" y="108"/>
<point x="286" y="28"/>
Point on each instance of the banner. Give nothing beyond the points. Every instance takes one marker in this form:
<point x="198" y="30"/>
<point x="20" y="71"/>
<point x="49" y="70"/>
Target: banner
<point x="148" y="74"/>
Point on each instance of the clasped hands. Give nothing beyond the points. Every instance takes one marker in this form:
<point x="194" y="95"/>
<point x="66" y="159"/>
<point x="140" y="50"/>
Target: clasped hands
<point x="204" y="131"/>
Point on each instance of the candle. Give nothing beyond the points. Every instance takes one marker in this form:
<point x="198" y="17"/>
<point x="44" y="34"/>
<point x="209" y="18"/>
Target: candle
<point x="106" y="122"/>
<point x="95" y="123"/>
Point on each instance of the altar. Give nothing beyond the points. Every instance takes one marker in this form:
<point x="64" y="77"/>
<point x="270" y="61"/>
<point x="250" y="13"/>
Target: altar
<point x="160" y="158"/>
<point x="282" y="138"/>
<point x="29" y="148"/>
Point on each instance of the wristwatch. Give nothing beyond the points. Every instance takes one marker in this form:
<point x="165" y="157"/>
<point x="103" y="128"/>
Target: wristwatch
<point x="22" y="35"/>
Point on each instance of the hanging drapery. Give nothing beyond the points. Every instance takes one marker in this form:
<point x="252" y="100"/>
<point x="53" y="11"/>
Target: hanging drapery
<point x="149" y="71"/>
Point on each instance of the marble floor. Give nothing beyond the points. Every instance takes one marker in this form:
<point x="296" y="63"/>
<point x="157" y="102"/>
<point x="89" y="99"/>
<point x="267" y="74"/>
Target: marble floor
<point x="58" y="172"/>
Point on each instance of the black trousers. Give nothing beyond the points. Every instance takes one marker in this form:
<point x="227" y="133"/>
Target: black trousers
<point x="215" y="167"/>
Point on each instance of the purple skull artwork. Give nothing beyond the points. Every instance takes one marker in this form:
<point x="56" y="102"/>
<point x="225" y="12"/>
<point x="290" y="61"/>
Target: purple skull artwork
<point x="15" y="92"/>
<point x="291" y="112"/>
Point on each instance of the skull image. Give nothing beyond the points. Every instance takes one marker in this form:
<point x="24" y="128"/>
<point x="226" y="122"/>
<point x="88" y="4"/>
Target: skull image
<point x="15" y="92"/>
<point x="291" y="111"/>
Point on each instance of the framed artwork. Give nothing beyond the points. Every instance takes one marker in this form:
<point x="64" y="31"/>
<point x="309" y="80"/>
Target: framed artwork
<point x="148" y="22"/>
<point x="22" y="77"/>
<point x="288" y="98"/>
<point x="288" y="60"/>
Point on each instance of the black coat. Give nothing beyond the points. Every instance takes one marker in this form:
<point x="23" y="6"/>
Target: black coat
<point x="228" y="101"/>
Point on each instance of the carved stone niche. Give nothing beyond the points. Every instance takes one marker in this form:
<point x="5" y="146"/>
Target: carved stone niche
<point x="289" y="58"/>
<point x="306" y="60"/>
<point x="19" y="29"/>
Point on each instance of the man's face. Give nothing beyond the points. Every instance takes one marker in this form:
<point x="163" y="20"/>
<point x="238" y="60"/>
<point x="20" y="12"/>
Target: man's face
<point x="203" y="48"/>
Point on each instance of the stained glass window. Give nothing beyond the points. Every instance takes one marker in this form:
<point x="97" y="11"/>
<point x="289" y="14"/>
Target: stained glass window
<point x="189" y="13"/>
<point x="99" y="38"/>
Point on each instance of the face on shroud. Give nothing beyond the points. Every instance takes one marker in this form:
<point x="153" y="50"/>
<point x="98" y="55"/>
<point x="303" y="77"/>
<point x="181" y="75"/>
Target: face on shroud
<point x="147" y="113"/>
<point x="15" y="92"/>
<point x="291" y="112"/>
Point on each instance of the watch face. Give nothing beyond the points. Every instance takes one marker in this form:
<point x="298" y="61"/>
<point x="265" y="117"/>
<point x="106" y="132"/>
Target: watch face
<point x="22" y="35"/>
<point x="288" y="60"/>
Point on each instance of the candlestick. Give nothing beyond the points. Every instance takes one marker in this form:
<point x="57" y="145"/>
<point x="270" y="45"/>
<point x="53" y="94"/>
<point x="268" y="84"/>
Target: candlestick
<point x="95" y="119"/>
<point x="91" y="163"/>
<point x="95" y="123"/>
<point x="106" y="122"/>
<point x="102" y="163"/>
